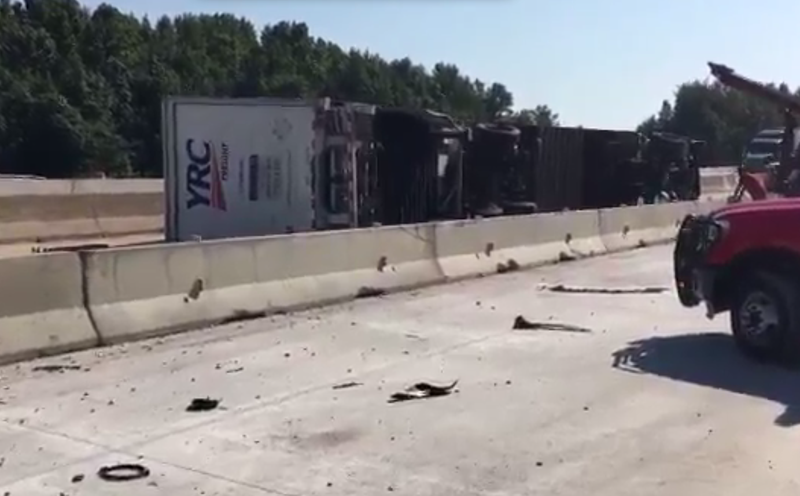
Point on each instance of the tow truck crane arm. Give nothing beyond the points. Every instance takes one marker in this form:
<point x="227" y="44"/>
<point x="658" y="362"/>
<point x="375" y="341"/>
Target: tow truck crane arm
<point x="730" y="78"/>
<point x="759" y="183"/>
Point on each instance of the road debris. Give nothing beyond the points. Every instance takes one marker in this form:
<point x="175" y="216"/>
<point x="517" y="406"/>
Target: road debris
<point x="347" y="385"/>
<point x="370" y="292"/>
<point x="55" y="368"/>
<point x="510" y="266"/>
<point x="422" y="390"/>
<point x="561" y="288"/>
<point x="522" y="324"/>
<point x="243" y="316"/>
<point x="69" y="248"/>
<point x="123" y="472"/>
<point x="566" y="257"/>
<point x="77" y="478"/>
<point x="202" y="405"/>
<point x="234" y="371"/>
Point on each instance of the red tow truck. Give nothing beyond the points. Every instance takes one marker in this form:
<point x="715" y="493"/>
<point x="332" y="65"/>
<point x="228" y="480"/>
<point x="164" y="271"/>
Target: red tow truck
<point x="745" y="258"/>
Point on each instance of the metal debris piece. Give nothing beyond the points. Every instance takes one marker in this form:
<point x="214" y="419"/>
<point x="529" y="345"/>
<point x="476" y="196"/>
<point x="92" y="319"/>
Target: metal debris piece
<point x="422" y="390"/>
<point x="123" y="472"/>
<point x="55" y="368"/>
<point x="522" y="324"/>
<point x="347" y="385"/>
<point x="202" y="405"/>
<point x="560" y="288"/>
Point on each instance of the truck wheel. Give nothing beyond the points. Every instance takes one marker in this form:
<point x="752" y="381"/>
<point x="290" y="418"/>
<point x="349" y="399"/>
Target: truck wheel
<point x="765" y="318"/>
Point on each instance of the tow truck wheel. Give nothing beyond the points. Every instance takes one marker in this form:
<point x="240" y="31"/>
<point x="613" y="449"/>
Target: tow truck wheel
<point x="765" y="318"/>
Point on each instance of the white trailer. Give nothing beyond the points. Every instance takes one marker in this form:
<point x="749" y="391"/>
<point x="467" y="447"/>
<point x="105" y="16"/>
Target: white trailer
<point x="255" y="167"/>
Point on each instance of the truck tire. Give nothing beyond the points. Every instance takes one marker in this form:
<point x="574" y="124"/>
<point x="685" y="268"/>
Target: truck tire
<point x="765" y="318"/>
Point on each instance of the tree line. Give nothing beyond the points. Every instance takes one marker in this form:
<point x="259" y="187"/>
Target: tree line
<point x="723" y="117"/>
<point x="81" y="89"/>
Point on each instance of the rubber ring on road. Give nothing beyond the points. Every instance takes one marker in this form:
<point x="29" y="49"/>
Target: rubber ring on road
<point x="123" y="472"/>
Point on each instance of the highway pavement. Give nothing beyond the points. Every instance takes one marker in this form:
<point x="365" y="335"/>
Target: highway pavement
<point x="615" y="390"/>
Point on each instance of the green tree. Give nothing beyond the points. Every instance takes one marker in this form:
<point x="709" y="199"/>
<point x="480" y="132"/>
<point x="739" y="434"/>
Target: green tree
<point x="497" y="101"/>
<point x="81" y="89"/>
<point x="541" y="115"/>
<point x="723" y="117"/>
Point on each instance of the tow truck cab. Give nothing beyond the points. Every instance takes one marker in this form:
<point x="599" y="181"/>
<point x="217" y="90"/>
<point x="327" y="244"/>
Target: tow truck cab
<point x="745" y="258"/>
<point x="763" y="151"/>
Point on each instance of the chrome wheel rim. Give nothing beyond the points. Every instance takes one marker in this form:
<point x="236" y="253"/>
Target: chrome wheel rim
<point x="758" y="316"/>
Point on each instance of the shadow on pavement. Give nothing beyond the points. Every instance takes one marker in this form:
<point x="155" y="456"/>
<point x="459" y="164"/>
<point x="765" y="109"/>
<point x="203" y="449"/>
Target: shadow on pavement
<point x="712" y="360"/>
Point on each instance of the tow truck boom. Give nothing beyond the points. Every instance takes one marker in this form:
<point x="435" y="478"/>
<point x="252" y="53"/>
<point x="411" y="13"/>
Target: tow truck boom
<point x="785" y="178"/>
<point x="730" y="78"/>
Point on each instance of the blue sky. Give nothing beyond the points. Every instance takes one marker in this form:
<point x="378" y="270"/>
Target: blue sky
<point x="598" y="63"/>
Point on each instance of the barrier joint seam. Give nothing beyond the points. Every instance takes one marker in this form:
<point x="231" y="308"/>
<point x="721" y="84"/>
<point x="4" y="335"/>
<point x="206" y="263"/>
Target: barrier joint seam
<point x="85" y="299"/>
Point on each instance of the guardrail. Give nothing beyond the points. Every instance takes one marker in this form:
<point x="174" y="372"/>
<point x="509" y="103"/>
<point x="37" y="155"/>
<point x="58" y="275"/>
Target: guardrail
<point x="70" y="301"/>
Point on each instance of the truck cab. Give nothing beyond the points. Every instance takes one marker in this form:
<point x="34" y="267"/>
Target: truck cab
<point x="764" y="150"/>
<point x="745" y="259"/>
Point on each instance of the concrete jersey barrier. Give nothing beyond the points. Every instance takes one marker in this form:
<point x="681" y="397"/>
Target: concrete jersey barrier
<point x="154" y="290"/>
<point x="54" y="209"/>
<point x="50" y="210"/>
<point x="42" y="310"/>
<point x="710" y="177"/>
<point x="62" y="302"/>
<point x="719" y="183"/>
<point x="626" y="228"/>
<point x="61" y="187"/>
<point x="478" y="247"/>
<point x="47" y="218"/>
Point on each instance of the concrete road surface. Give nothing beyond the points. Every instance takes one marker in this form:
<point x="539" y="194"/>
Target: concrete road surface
<point x="650" y="400"/>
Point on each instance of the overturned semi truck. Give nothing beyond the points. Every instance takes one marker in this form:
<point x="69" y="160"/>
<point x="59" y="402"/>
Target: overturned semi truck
<point x="256" y="167"/>
<point x="263" y="166"/>
<point x="515" y="169"/>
